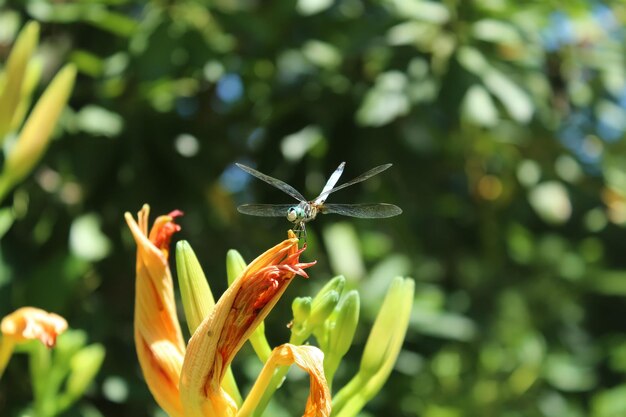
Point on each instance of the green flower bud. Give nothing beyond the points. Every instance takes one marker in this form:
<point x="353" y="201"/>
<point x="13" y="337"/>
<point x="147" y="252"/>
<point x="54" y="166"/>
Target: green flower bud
<point x="335" y="284"/>
<point x="198" y="300"/>
<point x="381" y="350"/>
<point x="341" y="328"/>
<point x="11" y="94"/>
<point x="234" y="265"/>
<point x="322" y="307"/>
<point x="195" y="292"/>
<point x="387" y="335"/>
<point x="31" y="80"/>
<point x="301" y="308"/>
<point x="35" y="135"/>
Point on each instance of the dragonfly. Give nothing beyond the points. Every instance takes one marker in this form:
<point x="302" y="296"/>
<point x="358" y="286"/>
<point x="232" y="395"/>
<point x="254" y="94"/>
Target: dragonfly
<point x="307" y="210"/>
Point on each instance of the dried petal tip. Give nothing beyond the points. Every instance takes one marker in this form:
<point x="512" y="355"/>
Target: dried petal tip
<point x="164" y="228"/>
<point x="29" y="323"/>
<point x="292" y="263"/>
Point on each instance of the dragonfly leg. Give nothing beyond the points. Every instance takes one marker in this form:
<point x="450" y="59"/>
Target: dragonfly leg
<point x="300" y="231"/>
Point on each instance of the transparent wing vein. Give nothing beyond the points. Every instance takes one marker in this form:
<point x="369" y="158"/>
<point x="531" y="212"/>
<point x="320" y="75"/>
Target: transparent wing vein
<point x="364" y="211"/>
<point x="265" y="210"/>
<point x="283" y="186"/>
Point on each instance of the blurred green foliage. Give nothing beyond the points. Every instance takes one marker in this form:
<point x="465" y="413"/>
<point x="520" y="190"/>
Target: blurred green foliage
<point x="505" y="122"/>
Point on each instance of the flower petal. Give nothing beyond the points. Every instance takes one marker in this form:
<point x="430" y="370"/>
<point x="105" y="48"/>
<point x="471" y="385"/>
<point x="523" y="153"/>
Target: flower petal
<point x="309" y="359"/>
<point x="158" y="337"/>
<point x="29" y="323"/>
<point x="235" y="316"/>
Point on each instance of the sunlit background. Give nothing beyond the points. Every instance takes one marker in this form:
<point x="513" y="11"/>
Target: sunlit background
<point x="505" y="122"/>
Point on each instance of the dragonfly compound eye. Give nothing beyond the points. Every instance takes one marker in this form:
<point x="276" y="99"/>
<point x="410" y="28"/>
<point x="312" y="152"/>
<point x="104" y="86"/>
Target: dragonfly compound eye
<point x="292" y="214"/>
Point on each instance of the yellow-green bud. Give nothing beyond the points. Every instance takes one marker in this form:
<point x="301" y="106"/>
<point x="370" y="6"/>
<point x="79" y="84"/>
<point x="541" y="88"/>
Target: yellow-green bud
<point x="336" y="284"/>
<point x="17" y="63"/>
<point x="198" y="300"/>
<point x="322" y="307"/>
<point x="31" y="80"/>
<point x="35" y="135"/>
<point x="235" y="265"/>
<point x="381" y="349"/>
<point x="341" y="328"/>
<point x="387" y="335"/>
<point x="195" y="292"/>
<point x="301" y="308"/>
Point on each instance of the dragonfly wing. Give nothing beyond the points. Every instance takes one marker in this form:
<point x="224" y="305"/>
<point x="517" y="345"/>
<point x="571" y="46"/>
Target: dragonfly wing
<point x="362" y="177"/>
<point x="364" y="211"/>
<point x="330" y="183"/>
<point x="283" y="186"/>
<point x="265" y="210"/>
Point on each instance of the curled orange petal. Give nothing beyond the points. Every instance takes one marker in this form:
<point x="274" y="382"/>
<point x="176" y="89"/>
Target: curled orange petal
<point x="235" y="316"/>
<point x="29" y="323"/>
<point x="158" y="337"/>
<point x="309" y="359"/>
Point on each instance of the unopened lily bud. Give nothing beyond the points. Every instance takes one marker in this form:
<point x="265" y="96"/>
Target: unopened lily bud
<point x="235" y="265"/>
<point x="301" y="308"/>
<point x="322" y="307"/>
<point x="341" y="328"/>
<point x="35" y="135"/>
<point x="31" y="80"/>
<point x="381" y="350"/>
<point x="15" y="74"/>
<point x="322" y="301"/>
<point x="385" y="339"/>
<point x="194" y="289"/>
<point x="335" y="284"/>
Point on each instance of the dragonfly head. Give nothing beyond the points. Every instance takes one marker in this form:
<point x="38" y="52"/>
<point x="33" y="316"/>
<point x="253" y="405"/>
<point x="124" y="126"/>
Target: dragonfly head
<point x="295" y="214"/>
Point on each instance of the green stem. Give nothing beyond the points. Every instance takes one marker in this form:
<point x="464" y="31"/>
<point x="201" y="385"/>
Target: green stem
<point x="346" y="393"/>
<point x="7" y="344"/>
<point x="40" y="372"/>
<point x="279" y="376"/>
<point x="260" y="344"/>
<point x="258" y="391"/>
<point x="5" y="186"/>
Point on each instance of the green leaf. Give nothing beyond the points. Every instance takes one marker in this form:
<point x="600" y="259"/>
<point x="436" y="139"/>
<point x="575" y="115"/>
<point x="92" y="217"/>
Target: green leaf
<point x="99" y="121"/>
<point x="311" y="7"/>
<point x="7" y="217"/>
<point x="84" y="366"/>
<point x="478" y="107"/>
<point x="343" y="250"/>
<point x="87" y="240"/>
<point x="386" y="101"/>
<point x="514" y="99"/>
<point x="551" y="202"/>
<point x="428" y="11"/>
<point x="498" y="31"/>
